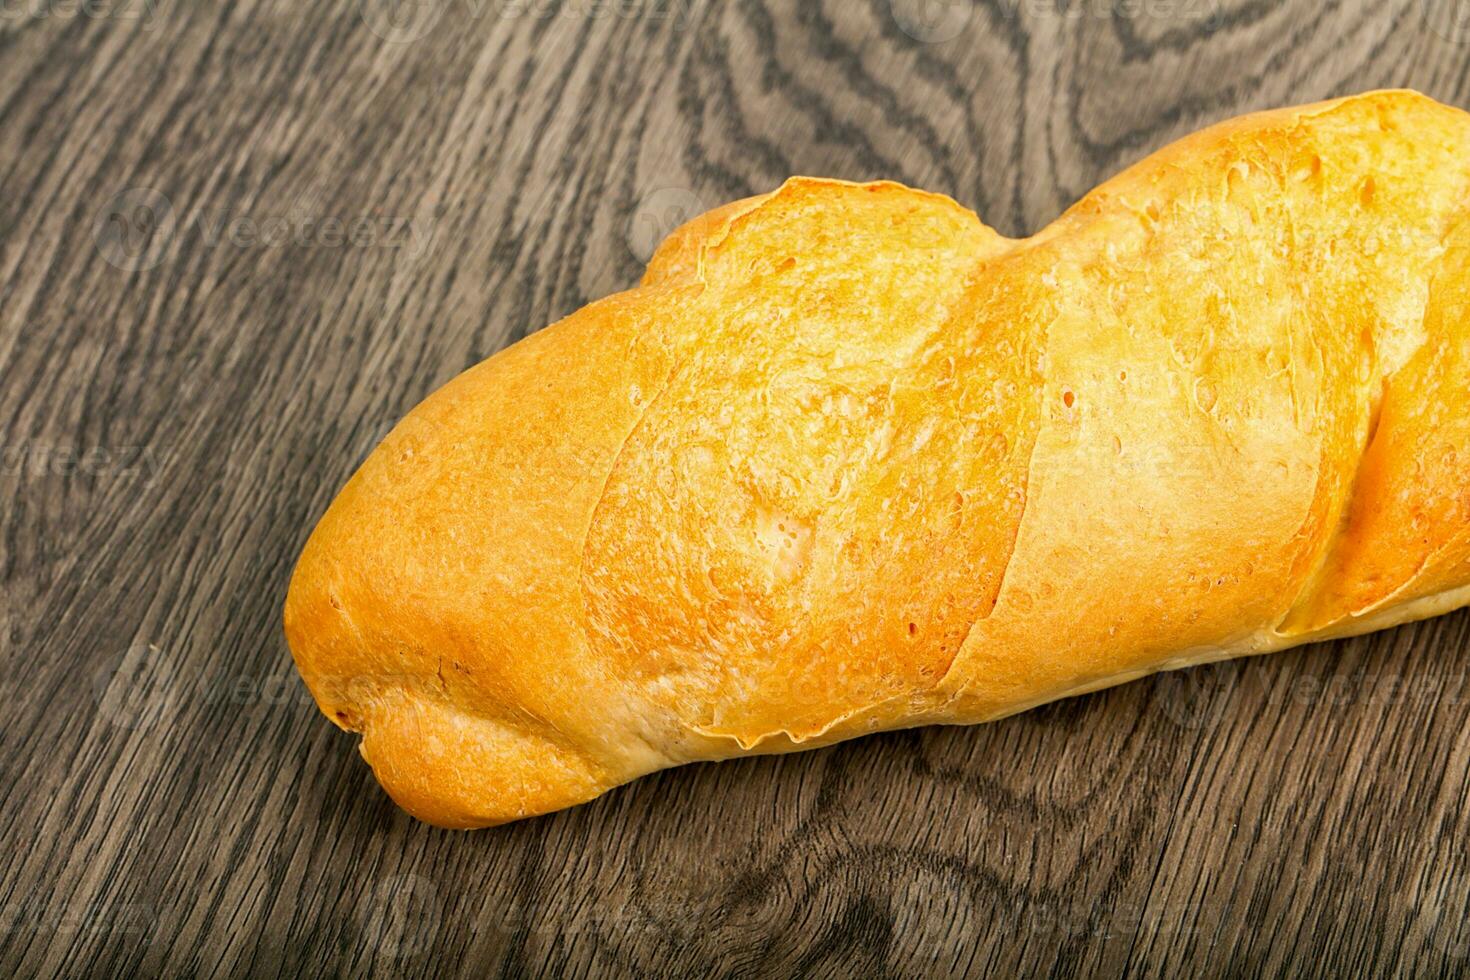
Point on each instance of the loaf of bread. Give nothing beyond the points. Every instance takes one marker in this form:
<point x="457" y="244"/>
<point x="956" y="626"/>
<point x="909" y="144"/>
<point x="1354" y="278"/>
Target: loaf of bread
<point x="848" y="460"/>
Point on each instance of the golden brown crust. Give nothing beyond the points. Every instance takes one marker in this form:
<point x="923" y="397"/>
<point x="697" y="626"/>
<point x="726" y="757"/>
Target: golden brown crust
<point x="848" y="460"/>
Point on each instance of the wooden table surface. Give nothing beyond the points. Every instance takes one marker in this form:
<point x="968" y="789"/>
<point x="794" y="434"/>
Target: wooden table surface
<point x="239" y="240"/>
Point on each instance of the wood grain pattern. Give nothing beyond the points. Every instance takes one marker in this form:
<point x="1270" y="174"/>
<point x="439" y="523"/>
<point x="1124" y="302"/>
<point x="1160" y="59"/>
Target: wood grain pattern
<point x="239" y="239"/>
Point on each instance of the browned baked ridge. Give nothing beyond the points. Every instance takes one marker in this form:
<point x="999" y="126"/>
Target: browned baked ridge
<point x="848" y="460"/>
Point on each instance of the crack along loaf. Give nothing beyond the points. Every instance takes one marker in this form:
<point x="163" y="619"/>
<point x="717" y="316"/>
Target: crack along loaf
<point x="848" y="460"/>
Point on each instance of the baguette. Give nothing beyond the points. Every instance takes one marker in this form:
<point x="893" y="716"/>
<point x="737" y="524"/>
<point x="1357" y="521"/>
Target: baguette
<point x="848" y="460"/>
